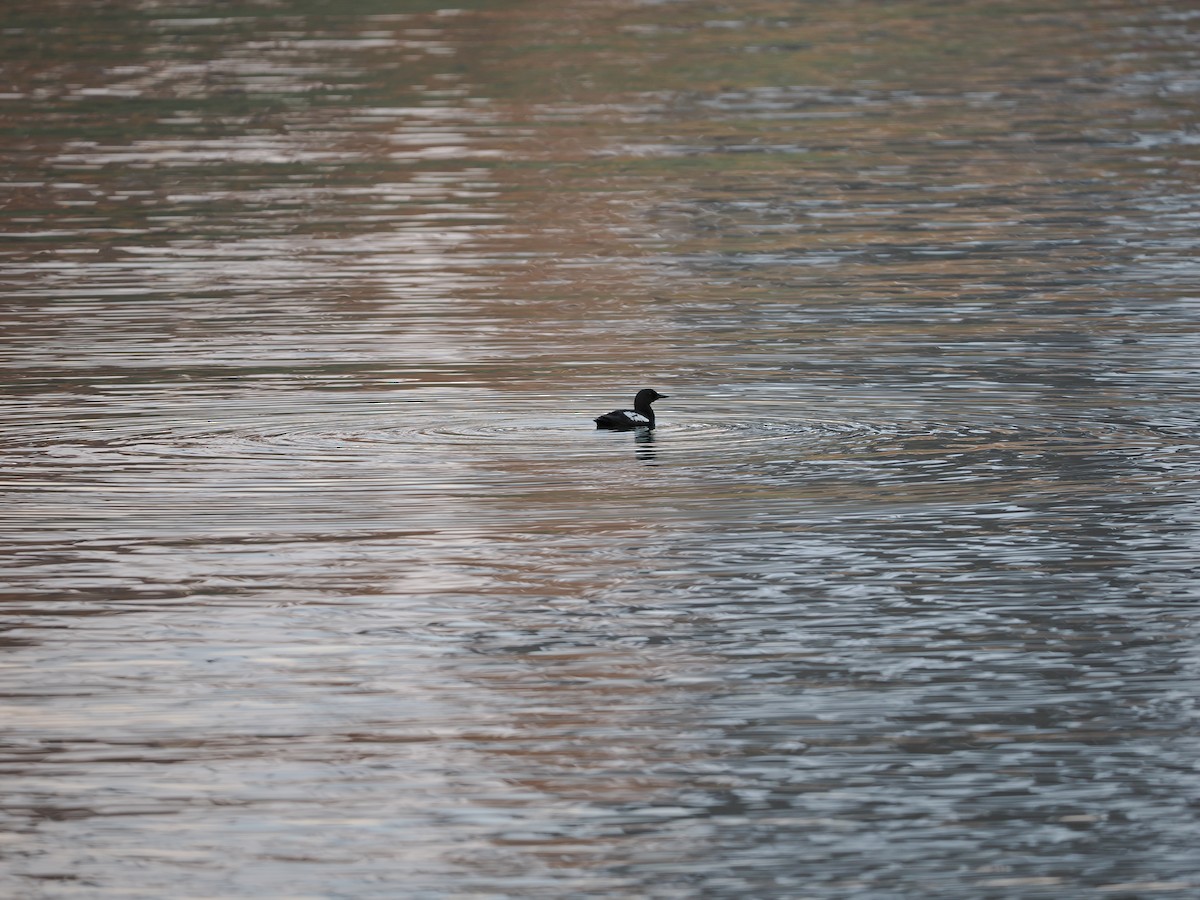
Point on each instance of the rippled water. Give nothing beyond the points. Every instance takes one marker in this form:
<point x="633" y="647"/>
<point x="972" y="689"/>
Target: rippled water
<point x="319" y="581"/>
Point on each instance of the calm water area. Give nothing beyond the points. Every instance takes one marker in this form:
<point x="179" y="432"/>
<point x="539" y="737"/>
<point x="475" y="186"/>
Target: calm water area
<point x="317" y="581"/>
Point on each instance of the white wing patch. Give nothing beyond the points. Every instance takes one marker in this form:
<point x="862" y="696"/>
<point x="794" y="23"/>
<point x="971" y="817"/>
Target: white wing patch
<point x="635" y="418"/>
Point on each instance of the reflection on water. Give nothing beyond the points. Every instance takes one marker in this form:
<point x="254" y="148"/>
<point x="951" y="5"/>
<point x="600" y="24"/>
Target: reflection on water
<point x="644" y="442"/>
<point x="320" y="581"/>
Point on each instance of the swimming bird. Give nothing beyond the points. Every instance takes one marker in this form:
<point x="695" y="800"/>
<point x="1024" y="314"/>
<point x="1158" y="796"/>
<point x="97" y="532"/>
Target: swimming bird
<point x="641" y="416"/>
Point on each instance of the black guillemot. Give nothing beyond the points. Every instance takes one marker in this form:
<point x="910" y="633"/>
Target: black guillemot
<point x="641" y="416"/>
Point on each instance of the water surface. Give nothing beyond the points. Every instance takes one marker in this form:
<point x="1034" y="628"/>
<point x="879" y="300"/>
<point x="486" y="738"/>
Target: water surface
<point x="319" y="582"/>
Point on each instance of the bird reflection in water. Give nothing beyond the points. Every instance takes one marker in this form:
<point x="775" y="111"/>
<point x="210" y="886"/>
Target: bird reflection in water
<point x="643" y="438"/>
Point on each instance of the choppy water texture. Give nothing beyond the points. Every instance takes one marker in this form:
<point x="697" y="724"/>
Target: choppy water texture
<point x="318" y="581"/>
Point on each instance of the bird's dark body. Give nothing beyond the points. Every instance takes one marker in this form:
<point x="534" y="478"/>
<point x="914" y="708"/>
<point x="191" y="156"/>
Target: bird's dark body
<point x="641" y="416"/>
<point x="622" y="419"/>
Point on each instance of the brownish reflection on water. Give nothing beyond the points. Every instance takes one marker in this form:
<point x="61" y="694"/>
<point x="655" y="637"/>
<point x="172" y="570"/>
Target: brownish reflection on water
<point x="320" y="583"/>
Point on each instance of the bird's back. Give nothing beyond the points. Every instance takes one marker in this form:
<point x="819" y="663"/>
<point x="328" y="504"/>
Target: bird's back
<point x="622" y="418"/>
